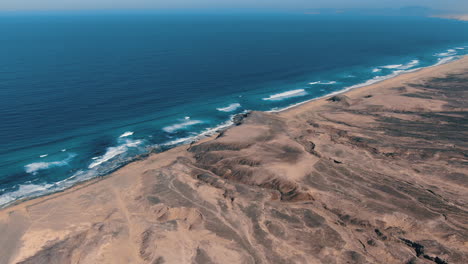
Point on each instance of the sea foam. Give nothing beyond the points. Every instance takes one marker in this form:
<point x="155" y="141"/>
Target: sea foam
<point x="398" y="70"/>
<point x="127" y="134"/>
<point x="394" y="66"/>
<point x="206" y="133"/>
<point x="409" y="65"/>
<point x="323" y="82"/>
<point x="374" y="80"/>
<point x="182" y="125"/>
<point x="445" y="60"/>
<point x="285" y="95"/>
<point x="33" y="168"/>
<point x="33" y="190"/>
<point x="24" y="190"/>
<point x="229" y="108"/>
<point x="30" y="190"/>
<point x="113" y="152"/>
<point x="448" y="53"/>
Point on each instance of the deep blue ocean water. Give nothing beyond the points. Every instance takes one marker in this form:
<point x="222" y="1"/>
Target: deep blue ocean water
<point x="82" y="94"/>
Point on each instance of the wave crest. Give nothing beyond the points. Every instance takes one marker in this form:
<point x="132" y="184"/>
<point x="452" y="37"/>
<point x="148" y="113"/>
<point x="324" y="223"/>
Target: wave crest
<point x="393" y="66"/>
<point x="285" y="95"/>
<point x="323" y="82"/>
<point x="445" y="60"/>
<point x="24" y="190"/>
<point x="448" y="53"/>
<point x="407" y="66"/>
<point x="33" y="168"/>
<point x="182" y="125"/>
<point x="113" y="152"/>
<point x="127" y="134"/>
<point x="229" y="108"/>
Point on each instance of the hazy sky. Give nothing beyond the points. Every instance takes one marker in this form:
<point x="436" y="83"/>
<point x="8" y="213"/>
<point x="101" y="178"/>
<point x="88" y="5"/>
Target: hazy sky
<point x="458" y="5"/>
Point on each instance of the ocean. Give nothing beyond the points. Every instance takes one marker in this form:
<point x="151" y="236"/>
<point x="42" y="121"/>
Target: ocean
<point x="82" y="94"/>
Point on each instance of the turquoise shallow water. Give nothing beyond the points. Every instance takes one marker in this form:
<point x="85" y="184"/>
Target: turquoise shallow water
<point x="82" y="94"/>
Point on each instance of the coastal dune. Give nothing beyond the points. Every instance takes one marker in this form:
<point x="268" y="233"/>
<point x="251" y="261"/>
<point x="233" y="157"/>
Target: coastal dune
<point x="375" y="175"/>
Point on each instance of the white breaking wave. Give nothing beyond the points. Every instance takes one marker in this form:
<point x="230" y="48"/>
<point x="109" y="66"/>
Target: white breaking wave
<point x="37" y="166"/>
<point x="407" y="66"/>
<point x="444" y="54"/>
<point x="127" y="134"/>
<point x="179" y="126"/>
<point x="31" y="190"/>
<point x="113" y="152"/>
<point x="288" y="94"/>
<point x="43" y="156"/>
<point x="449" y="52"/>
<point x="63" y="150"/>
<point x="206" y="133"/>
<point x="395" y="66"/>
<point x="323" y="83"/>
<point x="34" y="190"/>
<point x="410" y="65"/>
<point x="376" y="79"/>
<point x="445" y="60"/>
<point x="26" y="190"/>
<point x="178" y="141"/>
<point x="229" y="108"/>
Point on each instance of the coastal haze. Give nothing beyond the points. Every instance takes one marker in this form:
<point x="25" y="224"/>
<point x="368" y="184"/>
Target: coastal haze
<point x="233" y="132"/>
<point x="451" y="5"/>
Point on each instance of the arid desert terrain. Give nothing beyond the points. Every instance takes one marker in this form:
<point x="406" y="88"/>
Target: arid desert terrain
<point x="375" y="175"/>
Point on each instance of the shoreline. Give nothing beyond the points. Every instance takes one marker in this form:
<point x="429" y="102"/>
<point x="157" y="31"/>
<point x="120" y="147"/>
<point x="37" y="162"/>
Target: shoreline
<point x="363" y="85"/>
<point x="211" y="133"/>
<point x="364" y="175"/>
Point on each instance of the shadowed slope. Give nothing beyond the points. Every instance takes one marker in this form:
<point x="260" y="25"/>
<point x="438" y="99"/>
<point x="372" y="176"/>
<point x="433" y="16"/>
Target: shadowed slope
<point x="378" y="175"/>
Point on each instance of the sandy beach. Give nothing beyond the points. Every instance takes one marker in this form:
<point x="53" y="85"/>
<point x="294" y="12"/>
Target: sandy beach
<point x="375" y="175"/>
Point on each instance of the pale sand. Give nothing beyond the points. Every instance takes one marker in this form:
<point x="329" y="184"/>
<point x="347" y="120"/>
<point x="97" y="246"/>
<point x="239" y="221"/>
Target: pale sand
<point x="361" y="179"/>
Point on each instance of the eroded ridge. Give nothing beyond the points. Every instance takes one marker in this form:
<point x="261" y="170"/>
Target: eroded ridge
<point x="373" y="176"/>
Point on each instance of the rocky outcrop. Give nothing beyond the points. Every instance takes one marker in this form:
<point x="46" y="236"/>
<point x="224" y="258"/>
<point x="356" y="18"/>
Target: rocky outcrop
<point x="377" y="176"/>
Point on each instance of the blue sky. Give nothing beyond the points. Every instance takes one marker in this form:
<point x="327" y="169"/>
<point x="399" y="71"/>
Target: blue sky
<point x="457" y="5"/>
